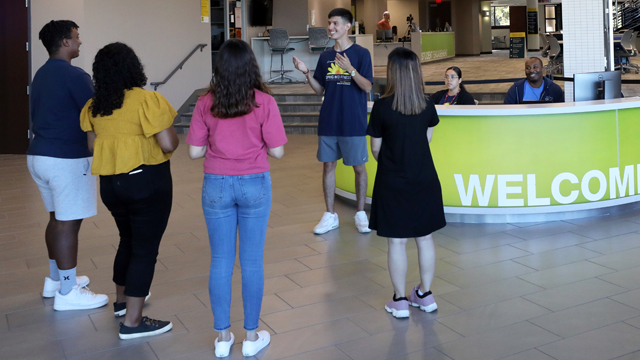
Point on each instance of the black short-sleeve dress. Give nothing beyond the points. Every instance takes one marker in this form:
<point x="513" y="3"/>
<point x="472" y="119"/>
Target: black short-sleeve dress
<point x="407" y="198"/>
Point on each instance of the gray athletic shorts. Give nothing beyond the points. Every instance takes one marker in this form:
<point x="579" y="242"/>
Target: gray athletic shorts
<point x="66" y="186"/>
<point x="352" y="149"/>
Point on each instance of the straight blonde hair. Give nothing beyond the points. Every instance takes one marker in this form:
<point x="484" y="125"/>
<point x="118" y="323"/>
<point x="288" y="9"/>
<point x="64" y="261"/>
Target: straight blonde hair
<point x="404" y="82"/>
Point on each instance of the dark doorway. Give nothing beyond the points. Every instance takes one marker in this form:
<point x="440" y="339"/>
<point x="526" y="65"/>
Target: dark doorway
<point x="439" y="14"/>
<point x="14" y="77"/>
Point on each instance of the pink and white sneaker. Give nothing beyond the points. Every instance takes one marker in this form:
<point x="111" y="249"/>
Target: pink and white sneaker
<point x="426" y="302"/>
<point x="399" y="308"/>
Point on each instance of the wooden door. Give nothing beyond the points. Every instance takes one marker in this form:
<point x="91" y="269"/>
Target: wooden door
<point x="14" y="77"/>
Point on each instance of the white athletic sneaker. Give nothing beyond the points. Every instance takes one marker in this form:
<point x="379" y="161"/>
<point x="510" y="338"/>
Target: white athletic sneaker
<point x="80" y="298"/>
<point x="328" y="222"/>
<point x="250" y="348"/>
<point x="362" y="223"/>
<point x="51" y="287"/>
<point x="222" y="348"/>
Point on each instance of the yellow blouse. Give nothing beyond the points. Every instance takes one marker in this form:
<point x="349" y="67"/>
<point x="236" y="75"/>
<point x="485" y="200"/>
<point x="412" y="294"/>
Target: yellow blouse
<point x="125" y="139"/>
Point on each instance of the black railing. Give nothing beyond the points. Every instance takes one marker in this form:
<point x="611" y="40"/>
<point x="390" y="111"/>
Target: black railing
<point x="179" y="67"/>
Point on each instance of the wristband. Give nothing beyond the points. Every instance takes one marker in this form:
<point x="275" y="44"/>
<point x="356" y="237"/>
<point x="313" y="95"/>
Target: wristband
<point x="305" y="73"/>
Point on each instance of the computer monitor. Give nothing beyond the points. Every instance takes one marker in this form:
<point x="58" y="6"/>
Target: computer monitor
<point x="384" y="35"/>
<point x="597" y="86"/>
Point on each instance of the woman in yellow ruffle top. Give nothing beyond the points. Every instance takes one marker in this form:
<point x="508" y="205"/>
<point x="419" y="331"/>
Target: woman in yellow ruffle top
<point x="130" y="131"/>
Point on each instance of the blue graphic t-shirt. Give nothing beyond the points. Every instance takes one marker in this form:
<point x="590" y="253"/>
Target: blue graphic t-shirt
<point x="344" y="110"/>
<point x="531" y="93"/>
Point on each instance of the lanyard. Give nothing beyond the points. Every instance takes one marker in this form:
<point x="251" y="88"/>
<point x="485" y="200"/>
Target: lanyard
<point x="454" y="97"/>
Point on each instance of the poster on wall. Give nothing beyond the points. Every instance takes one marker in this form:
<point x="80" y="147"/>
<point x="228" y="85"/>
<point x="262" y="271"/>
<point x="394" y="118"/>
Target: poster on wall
<point x="517" y="48"/>
<point x="204" y="11"/>
<point x="238" y="13"/>
<point x="532" y="21"/>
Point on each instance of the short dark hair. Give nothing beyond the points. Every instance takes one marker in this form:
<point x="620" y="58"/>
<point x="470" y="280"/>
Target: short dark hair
<point x="54" y="32"/>
<point x="345" y="14"/>
<point x="536" y="58"/>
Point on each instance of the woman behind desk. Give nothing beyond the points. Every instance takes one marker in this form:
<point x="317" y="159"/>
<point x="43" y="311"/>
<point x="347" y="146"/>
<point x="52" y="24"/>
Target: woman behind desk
<point x="455" y="94"/>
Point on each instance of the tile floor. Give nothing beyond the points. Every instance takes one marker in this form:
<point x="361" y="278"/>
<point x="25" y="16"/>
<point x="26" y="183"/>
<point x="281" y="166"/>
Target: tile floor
<point x="557" y="290"/>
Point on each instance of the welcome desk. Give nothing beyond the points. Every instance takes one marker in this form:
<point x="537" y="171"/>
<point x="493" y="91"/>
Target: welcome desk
<point x="523" y="163"/>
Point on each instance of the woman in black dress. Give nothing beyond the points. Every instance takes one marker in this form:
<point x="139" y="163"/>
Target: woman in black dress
<point x="407" y="198"/>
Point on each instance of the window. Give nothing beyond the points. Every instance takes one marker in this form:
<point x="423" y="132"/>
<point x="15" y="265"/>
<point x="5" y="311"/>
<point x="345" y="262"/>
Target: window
<point x="499" y="16"/>
<point x="552" y="18"/>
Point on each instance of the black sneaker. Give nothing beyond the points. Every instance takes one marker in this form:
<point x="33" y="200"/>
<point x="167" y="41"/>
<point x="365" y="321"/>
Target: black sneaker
<point x="147" y="327"/>
<point x="120" y="309"/>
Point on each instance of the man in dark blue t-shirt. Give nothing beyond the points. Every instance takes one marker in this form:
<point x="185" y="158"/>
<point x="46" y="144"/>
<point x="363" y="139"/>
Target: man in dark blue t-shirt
<point x="59" y="161"/>
<point x="344" y="75"/>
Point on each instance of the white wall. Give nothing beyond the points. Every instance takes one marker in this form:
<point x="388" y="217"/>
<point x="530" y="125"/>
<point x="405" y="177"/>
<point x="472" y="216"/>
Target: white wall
<point x="485" y="27"/>
<point x="372" y="13"/>
<point x="292" y="15"/>
<point x="399" y="10"/>
<point x="321" y="9"/>
<point x="162" y="32"/>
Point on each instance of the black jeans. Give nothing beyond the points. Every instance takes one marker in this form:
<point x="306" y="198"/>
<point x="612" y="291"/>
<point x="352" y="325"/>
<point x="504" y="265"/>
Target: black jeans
<point x="140" y="202"/>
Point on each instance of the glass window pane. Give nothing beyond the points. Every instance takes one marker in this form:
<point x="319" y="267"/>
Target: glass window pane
<point x="502" y="15"/>
<point x="551" y="25"/>
<point x="550" y="12"/>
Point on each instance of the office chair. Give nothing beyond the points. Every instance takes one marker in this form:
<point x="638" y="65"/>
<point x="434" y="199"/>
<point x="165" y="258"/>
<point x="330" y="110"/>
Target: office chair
<point x="623" y="52"/>
<point x="318" y="39"/>
<point x="555" y="64"/>
<point x="279" y="44"/>
<point x="545" y="45"/>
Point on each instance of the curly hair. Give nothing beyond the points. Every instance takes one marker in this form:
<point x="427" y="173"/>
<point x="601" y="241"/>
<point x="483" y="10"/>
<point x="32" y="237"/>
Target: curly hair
<point x="116" y="68"/>
<point x="236" y="76"/>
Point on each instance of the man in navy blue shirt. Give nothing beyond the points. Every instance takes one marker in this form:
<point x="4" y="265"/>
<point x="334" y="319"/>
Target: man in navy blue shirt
<point x="344" y="75"/>
<point x="60" y="163"/>
<point x="535" y="87"/>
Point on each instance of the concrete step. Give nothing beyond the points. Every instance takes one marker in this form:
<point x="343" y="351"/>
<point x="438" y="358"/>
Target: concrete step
<point x="300" y="117"/>
<point x="280" y="98"/>
<point x="303" y="106"/>
<point x="301" y="128"/>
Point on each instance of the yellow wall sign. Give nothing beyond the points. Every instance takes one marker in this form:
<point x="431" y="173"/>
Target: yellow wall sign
<point x="517" y="34"/>
<point x="204" y="11"/>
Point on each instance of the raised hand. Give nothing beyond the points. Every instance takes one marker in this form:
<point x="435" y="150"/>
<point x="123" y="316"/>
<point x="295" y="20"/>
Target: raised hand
<point x="300" y="65"/>
<point x="344" y="62"/>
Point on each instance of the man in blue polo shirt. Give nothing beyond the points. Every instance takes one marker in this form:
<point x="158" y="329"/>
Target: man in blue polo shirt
<point x="535" y="87"/>
<point x="60" y="163"/>
<point x="344" y="75"/>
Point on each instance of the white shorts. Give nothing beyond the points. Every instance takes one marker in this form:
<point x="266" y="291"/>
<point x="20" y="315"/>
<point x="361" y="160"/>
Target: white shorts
<point x="66" y="185"/>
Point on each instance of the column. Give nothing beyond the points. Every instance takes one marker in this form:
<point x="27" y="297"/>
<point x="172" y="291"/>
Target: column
<point x="533" y="40"/>
<point x="583" y="33"/>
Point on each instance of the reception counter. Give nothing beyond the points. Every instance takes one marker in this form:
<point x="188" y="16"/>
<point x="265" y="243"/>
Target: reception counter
<point x="261" y="49"/>
<point x="522" y="163"/>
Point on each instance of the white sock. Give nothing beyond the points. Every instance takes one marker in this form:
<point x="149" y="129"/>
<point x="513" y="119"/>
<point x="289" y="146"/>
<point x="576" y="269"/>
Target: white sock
<point x="420" y="293"/>
<point x="67" y="280"/>
<point x="53" y="270"/>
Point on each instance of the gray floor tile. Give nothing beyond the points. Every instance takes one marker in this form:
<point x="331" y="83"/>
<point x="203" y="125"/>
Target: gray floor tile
<point x="480" y="243"/>
<point x="463" y="231"/>
<point x="312" y="338"/>
<point x="476" y="296"/>
<point x="21" y="302"/>
<point x="551" y="242"/>
<point x="628" y="279"/>
<point x="565" y="274"/>
<point x="554" y="258"/>
<point x="328" y="259"/>
<point x="330" y="352"/>
<point x="431" y="354"/>
<point x="581" y="292"/>
<point x="620" y="260"/>
<point x="492" y="316"/>
<point x="532" y="354"/>
<point x="499" y="343"/>
<point x="603" y="343"/>
<point x="293" y="252"/>
<point x="183" y="344"/>
<point x="614" y="244"/>
<point x="324" y="292"/>
<point x="486" y="257"/>
<point x="606" y="230"/>
<point x="305" y="316"/>
<point x="486" y="274"/>
<point x="631" y="298"/>
<point x="635" y="322"/>
<point x="542" y="230"/>
<point x="283" y="268"/>
<point x="139" y="351"/>
<point x="587" y="317"/>
<point x="401" y="341"/>
<point x="632" y="356"/>
<point x="333" y="273"/>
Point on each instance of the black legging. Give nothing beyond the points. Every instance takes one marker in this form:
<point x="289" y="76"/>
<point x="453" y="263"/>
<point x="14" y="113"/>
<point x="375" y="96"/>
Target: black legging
<point x="140" y="202"/>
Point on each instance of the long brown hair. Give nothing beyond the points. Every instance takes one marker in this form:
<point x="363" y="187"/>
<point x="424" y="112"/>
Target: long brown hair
<point x="404" y="82"/>
<point x="236" y="76"/>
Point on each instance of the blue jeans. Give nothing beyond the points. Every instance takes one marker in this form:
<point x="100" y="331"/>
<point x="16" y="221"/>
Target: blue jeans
<point x="236" y="204"/>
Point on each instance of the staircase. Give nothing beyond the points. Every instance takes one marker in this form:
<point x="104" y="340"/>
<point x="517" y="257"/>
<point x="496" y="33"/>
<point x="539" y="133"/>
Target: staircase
<point x="300" y="112"/>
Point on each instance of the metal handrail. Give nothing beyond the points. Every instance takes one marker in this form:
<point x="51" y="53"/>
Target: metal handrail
<point x="179" y="67"/>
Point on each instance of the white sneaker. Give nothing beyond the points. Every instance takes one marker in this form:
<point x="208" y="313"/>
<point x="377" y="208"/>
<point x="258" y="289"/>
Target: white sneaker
<point x="328" y="222"/>
<point x="222" y="348"/>
<point x="250" y="348"/>
<point x="362" y="223"/>
<point x="51" y="287"/>
<point x="80" y="298"/>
